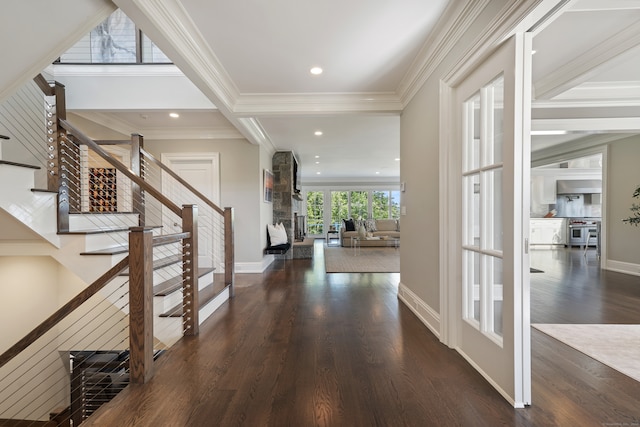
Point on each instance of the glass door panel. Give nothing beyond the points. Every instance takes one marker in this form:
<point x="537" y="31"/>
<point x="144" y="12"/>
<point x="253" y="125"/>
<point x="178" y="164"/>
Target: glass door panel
<point x="493" y="102"/>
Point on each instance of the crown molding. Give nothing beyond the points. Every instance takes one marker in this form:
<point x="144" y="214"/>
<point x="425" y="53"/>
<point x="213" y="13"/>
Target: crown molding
<point x="610" y="52"/>
<point x="305" y="103"/>
<point x="176" y="32"/>
<point x="257" y="134"/>
<point x="505" y="22"/>
<point x="458" y="18"/>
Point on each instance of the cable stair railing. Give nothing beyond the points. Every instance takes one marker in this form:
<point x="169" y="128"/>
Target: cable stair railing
<point x="170" y="265"/>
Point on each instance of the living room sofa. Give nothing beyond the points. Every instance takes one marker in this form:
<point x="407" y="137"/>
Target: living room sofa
<point x="379" y="230"/>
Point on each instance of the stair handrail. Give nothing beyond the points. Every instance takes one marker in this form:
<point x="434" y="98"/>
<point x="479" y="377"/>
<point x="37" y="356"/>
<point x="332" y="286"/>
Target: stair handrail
<point x="178" y="178"/>
<point x="63" y="312"/>
<point x="83" y="139"/>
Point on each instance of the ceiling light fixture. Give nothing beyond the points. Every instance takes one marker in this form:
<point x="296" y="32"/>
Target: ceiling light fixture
<point x="316" y="71"/>
<point x="317" y="173"/>
<point x="317" y="157"/>
<point x="317" y="163"/>
<point x="174" y="115"/>
<point x="318" y="133"/>
<point x="397" y="159"/>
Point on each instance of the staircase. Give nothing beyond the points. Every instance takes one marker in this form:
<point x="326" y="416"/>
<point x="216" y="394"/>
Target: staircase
<point x="90" y="243"/>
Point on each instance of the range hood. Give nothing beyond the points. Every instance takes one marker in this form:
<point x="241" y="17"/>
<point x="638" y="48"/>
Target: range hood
<point x="579" y="186"/>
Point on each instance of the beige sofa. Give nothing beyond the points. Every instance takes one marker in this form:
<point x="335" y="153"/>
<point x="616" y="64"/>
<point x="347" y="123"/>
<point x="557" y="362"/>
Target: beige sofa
<point x="383" y="232"/>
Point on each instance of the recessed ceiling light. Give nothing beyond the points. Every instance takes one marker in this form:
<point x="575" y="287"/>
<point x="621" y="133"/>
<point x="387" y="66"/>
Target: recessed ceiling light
<point x="174" y="115"/>
<point x="317" y="157"/>
<point x="317" y="173"/>
<point x="377" y="173"/>
<point x="397" y="159"/>
<point x="315" y="71"/>
<point x="318" y="133"/>
<point x="317" y="163"/>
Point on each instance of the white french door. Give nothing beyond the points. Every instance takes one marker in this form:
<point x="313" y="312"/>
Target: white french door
<point x="492" y="116"/>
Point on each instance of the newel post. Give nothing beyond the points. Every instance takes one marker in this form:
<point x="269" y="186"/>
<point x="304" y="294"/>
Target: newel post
<point x="140" y="304"/>
<point x="229" y="261"/>
<point x="190" y="298"/>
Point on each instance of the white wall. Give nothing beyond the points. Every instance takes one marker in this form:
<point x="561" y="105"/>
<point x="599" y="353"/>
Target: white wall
<point x="33" y="288"/>
<point x="35" y="32"/>
<point x="420" y="170"/>
<point x="241" y="165"/>
<point x="266" y="208"/>
<point x="28" y="285"/>
<point x="623" y="177"/>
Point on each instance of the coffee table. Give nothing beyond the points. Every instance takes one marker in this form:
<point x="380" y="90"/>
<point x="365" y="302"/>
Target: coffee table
<point x="356" y="243"/>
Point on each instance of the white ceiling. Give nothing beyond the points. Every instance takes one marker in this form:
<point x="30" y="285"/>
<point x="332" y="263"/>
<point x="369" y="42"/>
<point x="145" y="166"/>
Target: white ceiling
<point x="252" y="60"/>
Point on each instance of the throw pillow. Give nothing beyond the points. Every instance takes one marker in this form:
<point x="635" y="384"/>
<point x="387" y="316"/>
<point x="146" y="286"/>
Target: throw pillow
<point x="370" y="225"/>
<point x="277" y="234"/>
<point x="349" y="225"/>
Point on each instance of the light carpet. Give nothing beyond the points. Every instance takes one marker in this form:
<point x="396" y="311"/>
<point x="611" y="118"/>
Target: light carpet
<point x="366" y="260"/>
<point x="617" y="346"/>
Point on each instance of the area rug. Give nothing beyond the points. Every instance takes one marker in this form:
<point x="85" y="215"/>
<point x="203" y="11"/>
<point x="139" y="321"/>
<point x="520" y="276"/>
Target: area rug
<point x="366" y="260"/>
<point x="617" y="346"/>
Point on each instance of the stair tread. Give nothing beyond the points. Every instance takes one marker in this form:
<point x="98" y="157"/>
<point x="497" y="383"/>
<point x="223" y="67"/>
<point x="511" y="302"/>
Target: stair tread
<point x="173" y="284"/>
<point x="108" y="251"/>
<point x="103" y="231"/>
<point x="109" y="230"/>
<point x="205" y="295"/>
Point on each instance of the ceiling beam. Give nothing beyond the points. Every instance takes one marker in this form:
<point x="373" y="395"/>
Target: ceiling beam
<point x="610" y="52"/>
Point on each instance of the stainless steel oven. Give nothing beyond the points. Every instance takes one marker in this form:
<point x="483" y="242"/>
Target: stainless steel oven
<point x="579" y="231"/>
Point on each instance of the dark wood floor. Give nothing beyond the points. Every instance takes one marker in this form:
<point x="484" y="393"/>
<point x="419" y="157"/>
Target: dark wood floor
<point x="298" y="347"/>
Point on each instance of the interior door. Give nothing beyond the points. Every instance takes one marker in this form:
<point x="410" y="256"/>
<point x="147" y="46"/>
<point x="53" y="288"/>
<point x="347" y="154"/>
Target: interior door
<point x="201" y="170"/>
<point x="492" y="107"/>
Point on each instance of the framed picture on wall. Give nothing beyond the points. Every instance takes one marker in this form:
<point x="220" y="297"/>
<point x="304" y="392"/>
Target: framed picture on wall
<point x="268" y="186"/>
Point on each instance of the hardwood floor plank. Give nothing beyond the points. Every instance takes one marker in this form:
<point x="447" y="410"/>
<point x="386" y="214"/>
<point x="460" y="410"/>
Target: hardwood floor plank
<point x="298" y="347"/>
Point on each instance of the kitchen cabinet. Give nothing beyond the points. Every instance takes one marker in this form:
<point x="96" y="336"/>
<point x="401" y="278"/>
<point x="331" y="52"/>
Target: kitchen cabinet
<point x="548" y="231"/>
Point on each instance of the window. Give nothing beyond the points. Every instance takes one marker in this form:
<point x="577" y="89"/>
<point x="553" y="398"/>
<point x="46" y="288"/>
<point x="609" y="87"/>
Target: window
<point x="116" y="40"/>
<point x="359" y="204"/>
<point x="339" y="208"/>
<point x="315" y="212"/>
<point x="385" y="204"/>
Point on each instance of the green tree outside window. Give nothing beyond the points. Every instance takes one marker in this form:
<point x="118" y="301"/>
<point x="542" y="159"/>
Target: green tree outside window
<point x="315" y="212"/>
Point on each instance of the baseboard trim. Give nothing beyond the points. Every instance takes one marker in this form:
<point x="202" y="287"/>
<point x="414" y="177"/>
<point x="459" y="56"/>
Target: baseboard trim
<point x="422" y="310"/>
<point x="622" y="267"/>
<point x="254" y="267"/>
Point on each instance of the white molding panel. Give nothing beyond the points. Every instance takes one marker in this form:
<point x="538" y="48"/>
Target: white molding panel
<point x="426" y="314"/>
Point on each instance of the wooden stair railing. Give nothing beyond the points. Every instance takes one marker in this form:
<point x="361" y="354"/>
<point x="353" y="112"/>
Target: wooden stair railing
<point x="227" y="214"/>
